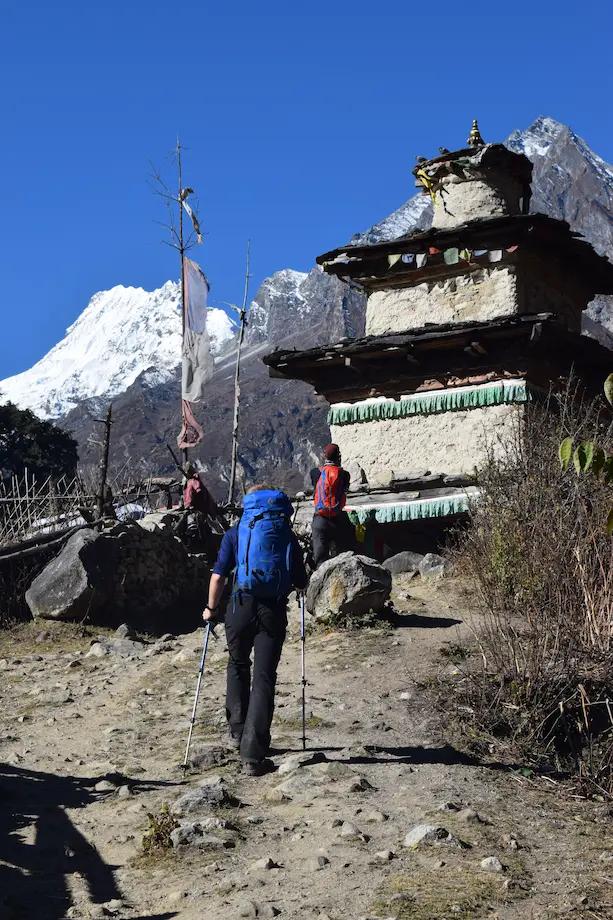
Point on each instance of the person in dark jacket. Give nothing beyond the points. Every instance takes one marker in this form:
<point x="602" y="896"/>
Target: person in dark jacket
<point x="258" y="625"/>
<point x="332" y="531"/>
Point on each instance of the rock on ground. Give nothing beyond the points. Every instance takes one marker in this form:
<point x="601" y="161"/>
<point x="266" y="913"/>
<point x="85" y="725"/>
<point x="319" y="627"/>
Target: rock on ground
<point x="428" y="834"/>
<point x="125" y="571"/>
<point x="64" y="589"/>
<point x="434" y="566"/>
<point x="404" y="562"/>
<point x="348" y="585"/>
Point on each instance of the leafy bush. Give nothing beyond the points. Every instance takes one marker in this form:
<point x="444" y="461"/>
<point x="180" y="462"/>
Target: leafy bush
<point x="542" y="561"/>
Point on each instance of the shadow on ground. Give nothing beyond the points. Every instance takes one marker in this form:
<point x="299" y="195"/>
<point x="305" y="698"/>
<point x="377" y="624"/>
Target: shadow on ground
<point x="40" y="846"/>
<point x="419" y="621"/>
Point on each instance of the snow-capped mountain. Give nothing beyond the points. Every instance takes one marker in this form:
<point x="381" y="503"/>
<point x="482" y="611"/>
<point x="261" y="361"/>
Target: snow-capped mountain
<point x="122" y="333"/>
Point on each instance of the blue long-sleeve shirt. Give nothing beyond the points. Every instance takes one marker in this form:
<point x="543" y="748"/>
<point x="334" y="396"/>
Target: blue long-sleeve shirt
<point x="228" y="552"/>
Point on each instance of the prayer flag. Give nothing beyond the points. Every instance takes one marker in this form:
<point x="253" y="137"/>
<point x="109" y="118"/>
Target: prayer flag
<point x="191" y="433"/>
<point x="197" y="361"/>
<point x="191" y="213"/>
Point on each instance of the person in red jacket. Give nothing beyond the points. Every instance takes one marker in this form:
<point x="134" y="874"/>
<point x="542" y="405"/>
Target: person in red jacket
<point x="196" y="496"/>
<point x="332" y="531"/>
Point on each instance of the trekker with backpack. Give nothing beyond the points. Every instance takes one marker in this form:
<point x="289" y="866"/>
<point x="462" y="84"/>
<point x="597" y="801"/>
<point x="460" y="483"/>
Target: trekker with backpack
<point x="331" y="530"/>
<point x="267" y="560"/>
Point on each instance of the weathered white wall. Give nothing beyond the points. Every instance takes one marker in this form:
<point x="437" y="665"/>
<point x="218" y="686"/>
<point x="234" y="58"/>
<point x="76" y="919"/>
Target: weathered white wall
<point x="461" y="200"/>
<point x="451" y="442"/>
<point x="479" y="295"/>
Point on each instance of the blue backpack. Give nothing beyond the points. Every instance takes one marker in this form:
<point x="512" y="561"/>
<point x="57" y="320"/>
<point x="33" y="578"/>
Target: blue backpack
<point x="264" y="563"/>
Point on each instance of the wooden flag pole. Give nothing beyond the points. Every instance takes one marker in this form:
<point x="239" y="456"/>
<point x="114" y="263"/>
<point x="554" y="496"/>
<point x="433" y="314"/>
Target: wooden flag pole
<point x="182" y="255"/>
<point x="237" y="388"/>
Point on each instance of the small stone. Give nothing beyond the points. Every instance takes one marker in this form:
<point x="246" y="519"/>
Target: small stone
<point x="248" y="909"/>
<point x="124" y="792"/>
<point x="406" y="695"/>
<point x="492" y="864"/>
<point x="277" y="796"/>
<point x="509" y="841"/>
<point x="123" y="631"/>
<point x="302" y="759"/>
<point x="376" y="817"/>
<point x="348" y="829"/>
<point x="470" y="816"/>
<point x="192" y="834"/>
<point x="433" y="566"/>
<point x="359" y="784"/>
<point x="105" y="786"/>
<point x="175" y="896"/>
<point x="211" y="793"/>
<point x="404" y="562"/>
<point x="317" y="863"/>
<point x="449" y="806"/>
<point x="384" y="855"/>
<point x="431" y="834"/>
<point x="264" y="864"/>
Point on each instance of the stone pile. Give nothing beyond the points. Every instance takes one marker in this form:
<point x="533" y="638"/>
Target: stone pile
<point x="124" y="573"/>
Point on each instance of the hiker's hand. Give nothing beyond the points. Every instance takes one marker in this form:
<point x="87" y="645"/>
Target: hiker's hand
<point x="208" y="614"/>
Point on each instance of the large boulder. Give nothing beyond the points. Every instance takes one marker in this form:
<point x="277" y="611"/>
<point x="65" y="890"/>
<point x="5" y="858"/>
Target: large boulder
<point x="348" y="586"/>
<point x="121" y="574"/>
<point x="68" y="587"/>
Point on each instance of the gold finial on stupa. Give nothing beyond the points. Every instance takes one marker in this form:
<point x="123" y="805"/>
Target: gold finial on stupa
<point x="474" y="138"/>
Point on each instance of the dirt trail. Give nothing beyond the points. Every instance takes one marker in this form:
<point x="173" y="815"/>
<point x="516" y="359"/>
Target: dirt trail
<point x="90" y="745"/>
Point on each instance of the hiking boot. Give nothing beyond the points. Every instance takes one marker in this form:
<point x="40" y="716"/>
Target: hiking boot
<point x="257" y="767"/>
<point x="233" y="741"/>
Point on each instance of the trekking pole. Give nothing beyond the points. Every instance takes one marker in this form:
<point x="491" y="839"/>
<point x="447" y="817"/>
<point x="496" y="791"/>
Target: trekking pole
<point x="302" y="649"/>
<point x="207" y="631"/>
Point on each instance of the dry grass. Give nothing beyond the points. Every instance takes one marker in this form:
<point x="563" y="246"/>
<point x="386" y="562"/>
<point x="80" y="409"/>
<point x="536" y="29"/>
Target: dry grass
<point x="542" y="564"/>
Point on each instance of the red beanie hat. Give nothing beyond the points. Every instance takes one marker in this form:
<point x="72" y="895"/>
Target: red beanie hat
<point x="332" y="452"/>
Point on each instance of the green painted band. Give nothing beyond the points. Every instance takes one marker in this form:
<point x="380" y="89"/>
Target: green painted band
<point x="432" y="402"/>
<point x="411" y="511"/>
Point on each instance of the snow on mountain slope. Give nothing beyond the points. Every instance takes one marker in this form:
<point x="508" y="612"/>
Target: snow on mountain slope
<point x="536" y="140"/>
<point x="121" y="333"/>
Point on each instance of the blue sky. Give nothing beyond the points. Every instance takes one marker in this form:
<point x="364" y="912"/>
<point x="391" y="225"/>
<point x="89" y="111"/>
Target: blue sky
<point x="302" y="127"/>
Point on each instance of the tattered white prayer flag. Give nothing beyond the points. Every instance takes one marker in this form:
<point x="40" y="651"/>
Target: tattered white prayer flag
<point x="197" y="361"/>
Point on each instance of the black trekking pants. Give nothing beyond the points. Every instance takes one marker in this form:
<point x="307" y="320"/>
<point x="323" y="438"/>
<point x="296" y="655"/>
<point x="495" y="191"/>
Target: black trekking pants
<point x="250" y="700"/>
<point x="331" y="536"/>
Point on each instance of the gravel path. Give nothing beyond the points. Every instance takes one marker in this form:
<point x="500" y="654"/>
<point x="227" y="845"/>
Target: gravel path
<point x="384" y="818"/>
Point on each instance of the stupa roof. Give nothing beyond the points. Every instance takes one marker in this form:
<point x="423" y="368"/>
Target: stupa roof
<point x="417" y="255"/>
